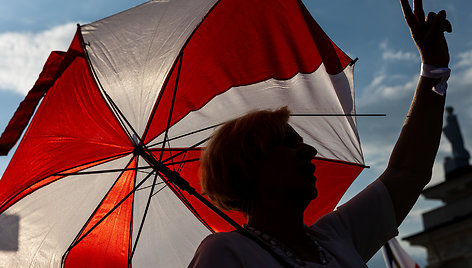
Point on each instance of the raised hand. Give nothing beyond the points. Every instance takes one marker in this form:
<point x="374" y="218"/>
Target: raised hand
<point x="428" y="33"/>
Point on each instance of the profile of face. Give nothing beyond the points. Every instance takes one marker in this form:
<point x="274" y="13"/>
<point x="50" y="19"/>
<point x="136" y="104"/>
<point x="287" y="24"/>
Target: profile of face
<point x="288" y="171"/>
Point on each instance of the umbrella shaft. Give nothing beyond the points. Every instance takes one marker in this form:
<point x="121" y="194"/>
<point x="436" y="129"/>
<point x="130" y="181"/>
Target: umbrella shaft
<point x="177" y="180"/>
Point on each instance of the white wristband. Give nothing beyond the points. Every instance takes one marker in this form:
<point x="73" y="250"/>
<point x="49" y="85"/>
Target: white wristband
<point x="436" y="73"/>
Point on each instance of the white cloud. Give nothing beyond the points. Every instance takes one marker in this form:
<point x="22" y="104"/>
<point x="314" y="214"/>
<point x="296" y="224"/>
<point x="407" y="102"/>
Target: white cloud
<point x="378" y="80"/>
<point x="397" y="91"/>
<point x="377" y="153"/>
<point x="390" y="54"/>
<point x="464" y="59"/>
<point x="462" y="77"/>
<point x="399" y="55"/>
<point x="386" y="88"/>
<point x="23" y="55"/>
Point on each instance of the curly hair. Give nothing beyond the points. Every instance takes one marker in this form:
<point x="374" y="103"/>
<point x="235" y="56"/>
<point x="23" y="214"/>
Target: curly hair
<point x="229" y="163"/>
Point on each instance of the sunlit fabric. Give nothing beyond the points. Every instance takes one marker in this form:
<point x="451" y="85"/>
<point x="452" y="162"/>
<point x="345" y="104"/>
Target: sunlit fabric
<point x="159" y="79"/>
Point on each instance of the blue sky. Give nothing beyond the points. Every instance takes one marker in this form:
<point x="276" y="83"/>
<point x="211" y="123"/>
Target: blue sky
<point x="372" y="30"/>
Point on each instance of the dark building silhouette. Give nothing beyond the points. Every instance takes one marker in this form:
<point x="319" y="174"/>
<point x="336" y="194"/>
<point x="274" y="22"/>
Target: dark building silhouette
<point x="447" y="234"/>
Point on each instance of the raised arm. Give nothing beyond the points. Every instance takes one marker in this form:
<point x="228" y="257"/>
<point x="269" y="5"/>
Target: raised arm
<point x="411" y="162"/>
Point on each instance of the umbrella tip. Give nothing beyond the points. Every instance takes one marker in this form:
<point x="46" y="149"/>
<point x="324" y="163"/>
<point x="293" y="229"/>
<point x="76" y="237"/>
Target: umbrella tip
<point x="353" y="61"/>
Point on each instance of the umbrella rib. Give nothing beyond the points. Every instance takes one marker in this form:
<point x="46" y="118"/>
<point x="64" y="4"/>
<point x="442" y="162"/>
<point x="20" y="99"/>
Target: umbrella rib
<point x="77" y="239"/>
<point x="117" y="111"/>
<point x="148" y="203"/>
<point x="183" y="162"/>
<point x="102" y="171"/>
<point x="133" y="202"/>
<point x="179" y="184"/>
<point x="185" y="150"/>
<point x="74" y="242"/>
<point x="186" y="134"/>
<point x="192" y="209"/>
<point x="341" y="162"/>
<point x="296" y="115"/>
<point x="121" y="117"/>
<point x="170" y="152"/>
<point x="113" y="105"/>
<point x="159" y="183"/>
<point x="177" y="180"/>
<point x="143" y="172"/>
<point x="175" y="63"/>
<point x="180" y="163"/>
<point x="2" y="207"/>
<point x="162" y="188"/>
<point x="172" y="105"/>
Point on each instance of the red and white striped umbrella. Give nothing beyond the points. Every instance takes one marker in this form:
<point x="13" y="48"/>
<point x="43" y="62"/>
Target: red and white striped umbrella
<point x="139" y="92"/>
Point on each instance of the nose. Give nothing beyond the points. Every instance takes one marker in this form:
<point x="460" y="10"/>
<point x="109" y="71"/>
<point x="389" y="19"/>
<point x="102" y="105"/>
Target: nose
<point x="308" y="150"/>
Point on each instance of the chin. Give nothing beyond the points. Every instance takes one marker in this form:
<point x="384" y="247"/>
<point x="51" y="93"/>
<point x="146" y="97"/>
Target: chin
<point x="304" y="198"/>
<point x="314" y="194"/>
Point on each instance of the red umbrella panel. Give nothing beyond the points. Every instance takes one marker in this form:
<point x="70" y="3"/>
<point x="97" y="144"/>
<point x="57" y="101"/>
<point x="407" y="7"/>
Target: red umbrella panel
<point x="144" y="89"/>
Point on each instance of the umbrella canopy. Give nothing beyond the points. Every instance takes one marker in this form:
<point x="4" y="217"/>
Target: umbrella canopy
<point x="156" y="80"/>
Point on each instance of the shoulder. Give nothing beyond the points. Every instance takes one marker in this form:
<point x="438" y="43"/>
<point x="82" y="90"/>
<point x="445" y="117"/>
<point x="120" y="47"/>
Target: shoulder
<point x="224" y="240"/>
<point x="366" y="221"/>
<point x="230" y="250"/>
<point x="373" y="204"/>
<point x="215" y="250"/>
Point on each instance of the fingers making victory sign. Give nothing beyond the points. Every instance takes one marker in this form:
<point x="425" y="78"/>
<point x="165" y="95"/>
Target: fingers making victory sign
<point x="428" y="33"/>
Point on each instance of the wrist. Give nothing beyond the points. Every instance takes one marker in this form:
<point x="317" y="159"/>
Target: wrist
<point x="439" y="74"/>
<point x="434" y="59"/>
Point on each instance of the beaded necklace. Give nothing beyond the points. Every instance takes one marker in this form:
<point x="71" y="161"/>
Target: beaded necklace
<point x="281" y="248"/>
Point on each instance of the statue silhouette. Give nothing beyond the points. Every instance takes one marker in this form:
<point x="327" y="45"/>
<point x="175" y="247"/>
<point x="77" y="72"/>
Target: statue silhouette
<point x="460" y="156"/>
